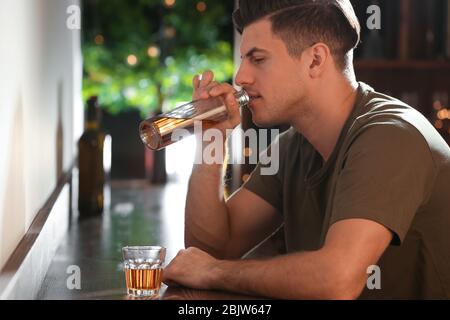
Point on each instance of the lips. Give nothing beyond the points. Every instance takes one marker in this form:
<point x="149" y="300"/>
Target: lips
<point x="253" y="95"/>
<point x="254" y="99"/>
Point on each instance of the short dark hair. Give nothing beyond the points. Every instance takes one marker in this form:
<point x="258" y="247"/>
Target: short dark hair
<point x="302" y="23"/>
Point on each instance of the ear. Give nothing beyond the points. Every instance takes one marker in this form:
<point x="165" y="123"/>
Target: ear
<point x="319" y="55"/>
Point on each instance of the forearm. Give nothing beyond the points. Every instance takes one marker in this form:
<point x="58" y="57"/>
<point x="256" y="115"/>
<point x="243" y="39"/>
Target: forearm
<point x="206" y="216"/>
<point x="302" y="276"/>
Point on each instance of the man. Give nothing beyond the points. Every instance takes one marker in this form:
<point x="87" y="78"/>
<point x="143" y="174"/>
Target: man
<point x="364" y="179"/>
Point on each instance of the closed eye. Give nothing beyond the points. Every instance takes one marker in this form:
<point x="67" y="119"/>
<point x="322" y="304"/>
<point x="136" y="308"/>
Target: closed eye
<point x="257" y="60"/>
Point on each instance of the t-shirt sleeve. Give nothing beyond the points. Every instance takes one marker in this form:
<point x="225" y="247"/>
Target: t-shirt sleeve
<point x="268" y="187"/>
<point x="386" y="177"/>
<point x="265" y="180"/>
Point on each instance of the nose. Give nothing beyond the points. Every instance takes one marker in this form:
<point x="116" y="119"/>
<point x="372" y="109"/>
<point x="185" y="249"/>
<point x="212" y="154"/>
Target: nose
<point x="243" y="76"/>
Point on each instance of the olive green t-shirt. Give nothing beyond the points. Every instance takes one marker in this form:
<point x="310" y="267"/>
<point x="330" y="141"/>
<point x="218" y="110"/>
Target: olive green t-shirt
<point x="390" y="166"/>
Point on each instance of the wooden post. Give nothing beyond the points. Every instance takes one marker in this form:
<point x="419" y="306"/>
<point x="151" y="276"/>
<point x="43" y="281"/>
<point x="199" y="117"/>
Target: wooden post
<point x="448" y="30"/>
<point x="405" y="27"/>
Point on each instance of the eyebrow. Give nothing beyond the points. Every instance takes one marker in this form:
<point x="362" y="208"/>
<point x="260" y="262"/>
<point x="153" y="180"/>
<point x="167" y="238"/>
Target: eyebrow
<point x="253" y="51"/>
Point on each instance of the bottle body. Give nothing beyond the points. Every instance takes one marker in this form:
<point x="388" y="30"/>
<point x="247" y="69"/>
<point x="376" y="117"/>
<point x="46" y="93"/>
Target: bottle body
<point x="157" y="132"/>
<point x="91" y="170"/>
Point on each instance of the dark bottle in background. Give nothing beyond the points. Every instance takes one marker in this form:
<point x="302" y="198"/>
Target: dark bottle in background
<point x="90" y="163"/>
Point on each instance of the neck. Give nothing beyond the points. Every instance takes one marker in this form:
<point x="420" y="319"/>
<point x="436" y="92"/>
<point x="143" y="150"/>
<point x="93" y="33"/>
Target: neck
<point x="91" y="124"/>
<point x="327" y="113"/>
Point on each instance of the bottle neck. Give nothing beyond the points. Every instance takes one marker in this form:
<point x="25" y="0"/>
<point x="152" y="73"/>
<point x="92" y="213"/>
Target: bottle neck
<point x="91" y="124"/>
<point x="243" y="98"/>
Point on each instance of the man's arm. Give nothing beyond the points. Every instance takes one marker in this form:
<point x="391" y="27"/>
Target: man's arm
<point x="225" y="229"/>
<point x="337" y="271"/>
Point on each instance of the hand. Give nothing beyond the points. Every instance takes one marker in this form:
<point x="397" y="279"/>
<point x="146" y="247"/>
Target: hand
<point x="192" y="268"/>
<point x="206" y="88"/>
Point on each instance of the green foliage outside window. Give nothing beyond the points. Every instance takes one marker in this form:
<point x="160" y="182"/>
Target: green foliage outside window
<point x="143" y="53"/>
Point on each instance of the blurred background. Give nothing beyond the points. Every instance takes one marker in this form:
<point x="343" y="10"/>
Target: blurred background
<point x="138" y="58"/>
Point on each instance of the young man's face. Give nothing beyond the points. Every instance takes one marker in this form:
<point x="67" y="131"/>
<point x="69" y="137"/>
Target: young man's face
<point x="271" y="76"/>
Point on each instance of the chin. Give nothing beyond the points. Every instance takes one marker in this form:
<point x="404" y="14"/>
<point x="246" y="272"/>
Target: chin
<point x="260" y="116"/>
<point x="262" y="123"/>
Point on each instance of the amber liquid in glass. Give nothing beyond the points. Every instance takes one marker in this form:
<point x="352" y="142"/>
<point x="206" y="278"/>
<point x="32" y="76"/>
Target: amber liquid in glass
<point x="157" y="132"/>
<point x="143" y="279"/>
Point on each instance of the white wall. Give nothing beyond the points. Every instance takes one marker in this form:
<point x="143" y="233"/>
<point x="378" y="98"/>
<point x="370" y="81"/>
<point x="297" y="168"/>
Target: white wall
<point x="40" y="108"/>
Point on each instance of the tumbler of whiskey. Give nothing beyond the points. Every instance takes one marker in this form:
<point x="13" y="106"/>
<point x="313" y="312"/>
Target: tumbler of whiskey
<point x="161" y="131"/>
<point x="143" y="267"/>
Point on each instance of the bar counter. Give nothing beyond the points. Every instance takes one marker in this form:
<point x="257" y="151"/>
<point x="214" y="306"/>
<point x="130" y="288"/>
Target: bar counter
<point x="135" y="214"/>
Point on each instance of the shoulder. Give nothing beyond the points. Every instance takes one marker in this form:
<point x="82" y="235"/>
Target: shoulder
<point x="395" y="134"/>
<point x="384" y="122"/>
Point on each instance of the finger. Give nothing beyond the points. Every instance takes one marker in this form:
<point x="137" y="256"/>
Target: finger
<point x="227" y="92"/>
<point x="204" y="93"/>
<point x="171" y="284"/>
<point x="196" y="81"/>
<point x="234" y="114"/>
<point x="231" y="102"/>
<point x="222" y="89"/>
<point x="206" y="79"/>
<point x="166" y="277"/>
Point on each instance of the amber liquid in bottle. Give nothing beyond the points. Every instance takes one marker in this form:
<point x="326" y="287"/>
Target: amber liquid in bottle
<point x="157" y="132"/>
<point x="160" y="131"/>
<point x="91" y="170"/>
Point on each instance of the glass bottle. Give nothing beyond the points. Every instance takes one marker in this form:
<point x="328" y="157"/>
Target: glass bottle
<point x="156" y="132"/>
<point x="90" y="164"/>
